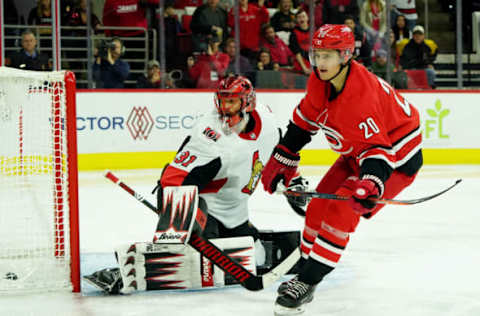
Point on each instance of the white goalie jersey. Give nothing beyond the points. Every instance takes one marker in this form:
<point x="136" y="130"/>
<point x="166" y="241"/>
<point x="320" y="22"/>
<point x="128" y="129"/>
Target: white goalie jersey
<point x="225" y="167"/>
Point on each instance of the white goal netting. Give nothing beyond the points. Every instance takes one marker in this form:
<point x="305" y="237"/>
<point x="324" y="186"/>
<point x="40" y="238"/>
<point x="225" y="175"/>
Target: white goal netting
<point x="35" y="252"/>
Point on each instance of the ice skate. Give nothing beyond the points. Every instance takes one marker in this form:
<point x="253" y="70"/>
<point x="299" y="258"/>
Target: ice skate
<point x="284" y="285"/>
<point x="295" y="296"/>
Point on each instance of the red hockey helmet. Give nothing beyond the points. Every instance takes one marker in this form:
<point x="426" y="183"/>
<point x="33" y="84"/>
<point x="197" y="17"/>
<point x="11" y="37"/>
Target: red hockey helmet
<point x="335" y="36"/>
<point x="234" y="87"/>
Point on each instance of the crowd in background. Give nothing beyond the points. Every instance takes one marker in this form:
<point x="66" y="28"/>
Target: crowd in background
<point x="274" y="36"/>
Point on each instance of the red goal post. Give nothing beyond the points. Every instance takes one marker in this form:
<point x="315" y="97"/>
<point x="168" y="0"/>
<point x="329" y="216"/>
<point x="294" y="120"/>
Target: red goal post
<point x="39" y="226"/>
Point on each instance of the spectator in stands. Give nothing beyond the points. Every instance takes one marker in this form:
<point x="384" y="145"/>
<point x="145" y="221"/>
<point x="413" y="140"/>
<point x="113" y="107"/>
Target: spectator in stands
<point x="77" y="16"/>
<point x="284" y="18"/>
<point x="317" y="13"/>
<point x="300" y="43"/>
<point x="246" y="68"/>
<point x="29" y="58"/>
<point x="208" y="19"/>
<point x="394" y="50"/>
<point x="153" y="77"/>
<point x="373" y="18"/>
<point x="406" y="8"/>
<point x="109" y="70"/>
<point x="172" y="28"/>
<point x="209" y="67"/>
<point x="420" y="54"/>
<point x="380" y="66"/>
<point x="41" y="15"/>
<point x="279" y="51"/>
<point x="251" y="18"/>
<point x="127" y="13"/>
<point x="264" y="61"/>
<point x="363" y="52"/>
<point x="400" y="29"/>
<point x="334" y="11"/>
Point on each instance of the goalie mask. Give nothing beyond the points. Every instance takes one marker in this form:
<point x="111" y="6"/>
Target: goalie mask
<point x="234" y="99"/>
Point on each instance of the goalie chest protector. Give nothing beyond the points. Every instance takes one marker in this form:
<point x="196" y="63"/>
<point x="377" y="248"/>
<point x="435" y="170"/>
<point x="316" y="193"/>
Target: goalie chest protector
<point x="242" y="158"/>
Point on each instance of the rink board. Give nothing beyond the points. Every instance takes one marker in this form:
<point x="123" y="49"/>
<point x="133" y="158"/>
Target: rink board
<point x="125" y="129"/>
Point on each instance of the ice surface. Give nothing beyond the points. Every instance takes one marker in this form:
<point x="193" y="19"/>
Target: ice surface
<point x="420" y="260"/>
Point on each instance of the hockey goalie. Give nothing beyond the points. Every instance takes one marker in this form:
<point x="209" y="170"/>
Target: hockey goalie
<point x="205" y="190"/>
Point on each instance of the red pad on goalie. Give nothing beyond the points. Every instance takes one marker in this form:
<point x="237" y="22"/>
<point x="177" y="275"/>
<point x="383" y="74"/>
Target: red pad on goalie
<point x="180" y="215"/>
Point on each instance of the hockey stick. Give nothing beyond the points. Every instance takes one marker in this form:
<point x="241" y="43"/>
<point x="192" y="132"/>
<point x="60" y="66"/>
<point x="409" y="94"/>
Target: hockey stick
<point x="247" y="279"/>
<point x="329" y="196"/>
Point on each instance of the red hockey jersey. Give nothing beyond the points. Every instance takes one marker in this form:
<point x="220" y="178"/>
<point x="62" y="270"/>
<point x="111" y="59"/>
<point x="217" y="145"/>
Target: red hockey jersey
<point x="367" y="119"/>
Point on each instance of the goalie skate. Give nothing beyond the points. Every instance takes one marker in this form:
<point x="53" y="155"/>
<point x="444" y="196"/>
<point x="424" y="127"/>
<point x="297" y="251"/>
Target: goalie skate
<point x="108" y="280"/>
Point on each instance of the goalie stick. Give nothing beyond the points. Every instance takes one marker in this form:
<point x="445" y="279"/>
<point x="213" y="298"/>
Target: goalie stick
<point x="329" y="196"/>
<point x="247" y="279"/>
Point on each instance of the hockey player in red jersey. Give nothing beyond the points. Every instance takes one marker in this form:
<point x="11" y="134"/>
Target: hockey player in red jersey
<point x="377" y="134"/>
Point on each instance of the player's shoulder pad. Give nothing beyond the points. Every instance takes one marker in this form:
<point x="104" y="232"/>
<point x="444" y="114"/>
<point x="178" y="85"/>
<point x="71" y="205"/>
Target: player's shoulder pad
<point x="269" y="120"/>
<point x="208" y="129"/>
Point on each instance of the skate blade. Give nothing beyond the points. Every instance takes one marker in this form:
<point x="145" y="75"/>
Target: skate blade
<point x="287" y="311"/>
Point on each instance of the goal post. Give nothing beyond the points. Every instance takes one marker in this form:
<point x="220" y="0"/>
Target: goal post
<point x="39" y="224"/>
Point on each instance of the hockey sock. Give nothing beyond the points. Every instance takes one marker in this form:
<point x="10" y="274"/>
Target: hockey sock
<point x="323" y="257"/>
<point x="306" y="243"/>
<point x="313" y="272"/>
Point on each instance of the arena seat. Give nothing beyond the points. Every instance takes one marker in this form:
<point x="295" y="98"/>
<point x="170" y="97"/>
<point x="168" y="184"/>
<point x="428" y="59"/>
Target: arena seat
<point x="417" y="79"/>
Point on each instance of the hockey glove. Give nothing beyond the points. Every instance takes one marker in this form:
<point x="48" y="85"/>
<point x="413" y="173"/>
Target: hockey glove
<point x="282" y="165"/>
<point x="363" y="190"/>
<point x="298" y="203"/>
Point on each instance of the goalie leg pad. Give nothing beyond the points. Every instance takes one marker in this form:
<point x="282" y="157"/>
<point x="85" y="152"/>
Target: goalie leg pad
<point x="152" y="266"/>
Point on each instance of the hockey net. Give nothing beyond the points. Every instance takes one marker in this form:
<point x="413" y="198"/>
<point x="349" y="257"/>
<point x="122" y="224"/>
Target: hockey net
<point x="39" y="241"/>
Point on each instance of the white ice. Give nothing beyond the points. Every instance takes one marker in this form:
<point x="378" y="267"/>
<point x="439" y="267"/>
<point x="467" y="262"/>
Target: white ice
<point x="420" y="260"/>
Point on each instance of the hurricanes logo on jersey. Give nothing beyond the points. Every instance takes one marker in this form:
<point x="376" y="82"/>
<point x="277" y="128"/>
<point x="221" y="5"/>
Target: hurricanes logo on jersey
<point x="336" y="140"/>
<point x="257" y="168"/>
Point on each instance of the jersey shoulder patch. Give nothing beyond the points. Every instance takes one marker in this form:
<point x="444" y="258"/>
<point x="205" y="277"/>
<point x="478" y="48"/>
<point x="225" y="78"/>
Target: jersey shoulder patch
<point x="211" y="133"/>
<point x="208" y="128"/>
